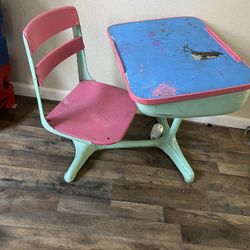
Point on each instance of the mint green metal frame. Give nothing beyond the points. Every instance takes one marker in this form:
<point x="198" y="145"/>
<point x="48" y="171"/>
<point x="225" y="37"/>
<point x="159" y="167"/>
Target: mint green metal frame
<point x="209" y="106"/>
<point x="167" y="142"/>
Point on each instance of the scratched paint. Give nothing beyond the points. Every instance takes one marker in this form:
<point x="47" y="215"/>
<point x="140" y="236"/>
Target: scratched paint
<point x="202" y="55"/>
<point x="157" y="43"/>
<point x="66" y="101"/>
<point x="164" y="90"/>
<point x="151" y="34"/>
<point x="141" y="69"/>
<point x="98" y="118"/>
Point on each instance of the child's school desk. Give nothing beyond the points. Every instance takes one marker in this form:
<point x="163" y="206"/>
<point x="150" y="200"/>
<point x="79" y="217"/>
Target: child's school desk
<point x="179" y="68"/>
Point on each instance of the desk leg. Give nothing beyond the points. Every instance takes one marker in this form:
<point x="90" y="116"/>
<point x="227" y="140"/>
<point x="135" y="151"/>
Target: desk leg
<point x="169" y="145"/>
<point x="82" y="153"/>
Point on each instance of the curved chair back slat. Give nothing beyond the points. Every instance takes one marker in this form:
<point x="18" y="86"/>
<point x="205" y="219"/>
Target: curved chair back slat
<point x="56" y="56"/>
<point x="48" y="24"/>
<point x="39" y="30"/>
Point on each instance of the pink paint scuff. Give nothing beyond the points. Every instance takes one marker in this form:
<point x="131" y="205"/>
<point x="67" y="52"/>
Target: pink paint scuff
<point x="151" y="34"/>
<point x="164" y="90"/>
<point x="157" y="43"/>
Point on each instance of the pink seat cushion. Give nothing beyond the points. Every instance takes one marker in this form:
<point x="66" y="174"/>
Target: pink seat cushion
<point x="94" y="112"/>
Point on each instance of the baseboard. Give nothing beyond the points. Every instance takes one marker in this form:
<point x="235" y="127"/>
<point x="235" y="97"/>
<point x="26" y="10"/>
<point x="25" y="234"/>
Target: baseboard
<point x="223" y="120"/>
<point x="25" y="89"/>
<point x="57" y="95"/>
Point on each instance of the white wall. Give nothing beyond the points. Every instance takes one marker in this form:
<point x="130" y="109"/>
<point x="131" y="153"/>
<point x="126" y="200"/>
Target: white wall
<point x="229" y="18"/>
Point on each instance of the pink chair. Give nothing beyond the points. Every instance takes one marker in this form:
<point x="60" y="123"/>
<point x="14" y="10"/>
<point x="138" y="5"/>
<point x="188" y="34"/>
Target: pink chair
<point x="93" y="115"/>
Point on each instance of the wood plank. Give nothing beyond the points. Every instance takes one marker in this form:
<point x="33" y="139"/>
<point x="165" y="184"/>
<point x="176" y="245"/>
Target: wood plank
<point x="21" y="244"/>
<point x="10" y="130"/>
<point x="139" y="156"/>
<point x="27" y="238"/>
<point x="206" y="218"/>
<point x="234" y="169"/>
<point x="221" y="183"/>
<point x="160" y="195"/>
<point x="236" y="157"/>
<point x="137" y="211"/>
<point x="234" y="203"/>
<point x="51" y="181"/>
<point x="203" y="155"/>
<point x="210" y="139"/>
<point x="102" y="170"/>
<point x="37" y="160"/>
<point x="32" y="146"/>
<point x="84" y="205"/>
<point x="24" y="117"/>
<point x="205" y="247"/>
<point x="216" y="236"/>
<point x="203" y="181"/>
<point x="153" y="175"/>
<point x="11" y="200"/>
<point x="106" y="226"/>
<point x="203" y="166"/>
<point x="238" y="140"/>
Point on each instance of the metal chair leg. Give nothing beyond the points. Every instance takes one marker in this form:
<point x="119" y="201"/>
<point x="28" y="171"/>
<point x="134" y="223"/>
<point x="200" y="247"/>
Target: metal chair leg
<point x="82" y="152"/>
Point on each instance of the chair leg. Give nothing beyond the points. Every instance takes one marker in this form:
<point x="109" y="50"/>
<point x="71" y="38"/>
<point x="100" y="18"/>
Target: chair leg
<point x="82" y="152"/>
<point x="170" y="146"/>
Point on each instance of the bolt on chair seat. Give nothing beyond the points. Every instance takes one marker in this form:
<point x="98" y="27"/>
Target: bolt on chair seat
<point x="95" y="112"/>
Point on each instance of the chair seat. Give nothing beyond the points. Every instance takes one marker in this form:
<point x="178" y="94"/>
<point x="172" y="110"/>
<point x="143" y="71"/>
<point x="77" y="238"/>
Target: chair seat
<point x="94" y="112"/>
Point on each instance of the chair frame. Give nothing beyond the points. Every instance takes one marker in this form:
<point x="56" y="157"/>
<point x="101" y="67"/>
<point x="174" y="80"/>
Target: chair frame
<point x="84" y="149"/>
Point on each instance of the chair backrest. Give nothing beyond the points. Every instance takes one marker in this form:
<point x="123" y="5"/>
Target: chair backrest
<point x="45" y="26"/>
<point x="39" y="30"/>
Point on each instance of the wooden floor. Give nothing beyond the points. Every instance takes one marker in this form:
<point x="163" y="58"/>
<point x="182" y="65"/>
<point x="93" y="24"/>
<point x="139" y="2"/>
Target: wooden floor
<point x="124" y="198"/>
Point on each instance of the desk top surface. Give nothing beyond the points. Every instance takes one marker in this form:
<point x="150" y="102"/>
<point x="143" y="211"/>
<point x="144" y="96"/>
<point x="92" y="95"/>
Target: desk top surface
<point x="176" y="59"/>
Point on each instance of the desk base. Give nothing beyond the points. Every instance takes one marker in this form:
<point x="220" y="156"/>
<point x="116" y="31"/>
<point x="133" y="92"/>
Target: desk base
<point x="209" y="106"/>
<point x="170" y="146"/>
<point x="167" y="142"/>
